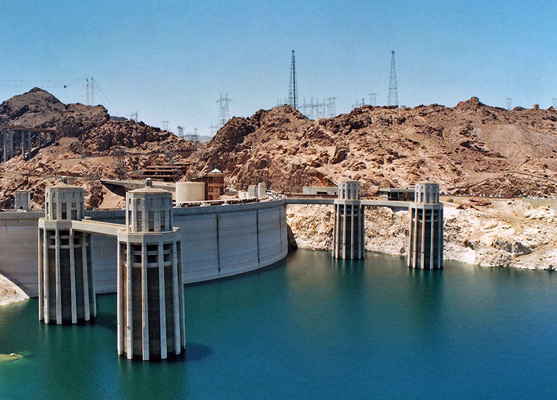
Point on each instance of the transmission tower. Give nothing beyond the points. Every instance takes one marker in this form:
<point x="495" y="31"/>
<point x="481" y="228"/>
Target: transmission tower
<point x="293" y="92"/>
<point x="180" y="130"/>
<point x="554" y="102"/>
<point x="224" y="111"/>
<point x="134" y="116"/>
<point x="393" y="90"/>
<point x="372" y="99"/>
<point x="164" y="125"/>
<point x="509" y="103"/>
<point x="357" y="104"/>
<point x="92" y="92"/>
<point x="87" y="90"/>
<point x="214" y="129"/>
<point x="331" y="106"/>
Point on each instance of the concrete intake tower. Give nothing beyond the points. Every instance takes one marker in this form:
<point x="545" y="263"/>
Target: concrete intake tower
<point x="66" y="284"/>
<point x="151" y="320"/>
<point x="426" y="228"/>
<point x="348" y="233"/>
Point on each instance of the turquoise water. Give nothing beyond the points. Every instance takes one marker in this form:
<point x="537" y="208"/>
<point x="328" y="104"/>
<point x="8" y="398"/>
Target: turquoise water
<point x="313" y="328"/>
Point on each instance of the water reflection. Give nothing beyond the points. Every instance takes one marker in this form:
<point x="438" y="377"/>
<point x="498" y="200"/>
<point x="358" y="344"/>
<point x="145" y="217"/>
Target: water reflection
<point x="426" y="302"/>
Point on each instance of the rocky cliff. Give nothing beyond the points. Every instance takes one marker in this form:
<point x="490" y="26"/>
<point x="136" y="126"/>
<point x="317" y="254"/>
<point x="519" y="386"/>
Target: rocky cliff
<point x="470" y="149"/>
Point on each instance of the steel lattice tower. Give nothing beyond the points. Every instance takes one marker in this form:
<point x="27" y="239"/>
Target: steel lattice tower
<point x="293" y="92"/>
<point x="224" y="111"/>
<point x="393" y="91"/>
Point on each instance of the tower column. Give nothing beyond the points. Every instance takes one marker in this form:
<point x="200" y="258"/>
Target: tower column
<point x="144" y="303"/>
<point x="22" y="138"/>
<point x="29" y="146"/>
<point x="85" y="272"/>
<point x="11" y="133"/>
<point x="4" y="146"/>
<point x="162" y="302"/>
<point x="73" y="298"/>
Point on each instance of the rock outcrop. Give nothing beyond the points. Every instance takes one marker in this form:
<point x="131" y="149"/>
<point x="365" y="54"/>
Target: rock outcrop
<point x="470" y="149"/>
<point x="500" y="233"/>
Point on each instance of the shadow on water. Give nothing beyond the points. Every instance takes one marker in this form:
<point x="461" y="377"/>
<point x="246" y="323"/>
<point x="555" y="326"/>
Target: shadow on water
<point x="107" y="320"/>
<point x="197" y="351"/>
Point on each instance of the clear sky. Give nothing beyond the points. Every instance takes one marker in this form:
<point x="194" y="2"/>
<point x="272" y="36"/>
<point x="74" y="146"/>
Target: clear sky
<point x="170" y="60"/>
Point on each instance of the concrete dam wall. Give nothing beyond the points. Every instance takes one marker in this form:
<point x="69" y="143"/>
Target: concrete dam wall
<point x="217" y="242"/>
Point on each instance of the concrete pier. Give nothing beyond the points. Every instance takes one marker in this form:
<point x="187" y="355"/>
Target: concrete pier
<point x="151" y="319"/>
<point x="28" y="139"/>
<point x="425" y="249"/>
<point x="66" y="284"/>
<point x="348" y="233"/>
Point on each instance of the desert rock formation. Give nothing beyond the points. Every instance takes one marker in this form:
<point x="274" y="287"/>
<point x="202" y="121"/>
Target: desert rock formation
<point x="469" y="149"/>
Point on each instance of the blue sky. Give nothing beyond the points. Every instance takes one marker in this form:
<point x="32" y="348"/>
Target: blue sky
<point x="170" y="60"/>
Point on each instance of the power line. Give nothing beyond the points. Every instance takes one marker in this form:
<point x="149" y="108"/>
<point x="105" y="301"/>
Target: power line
<point x="106" y="98"/>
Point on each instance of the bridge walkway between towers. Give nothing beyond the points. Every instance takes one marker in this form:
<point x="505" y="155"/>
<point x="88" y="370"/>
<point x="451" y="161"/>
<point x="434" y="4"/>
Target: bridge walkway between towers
<point x="366" y="203"/>
<point x="98" y="227"/>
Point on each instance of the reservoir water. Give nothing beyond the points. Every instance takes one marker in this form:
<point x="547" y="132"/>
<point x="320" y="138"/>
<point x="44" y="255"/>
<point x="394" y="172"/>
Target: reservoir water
<point x="313" y="328"/>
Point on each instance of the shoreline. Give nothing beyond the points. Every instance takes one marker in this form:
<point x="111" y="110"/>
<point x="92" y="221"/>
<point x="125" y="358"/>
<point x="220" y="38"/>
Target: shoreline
<point x="488" y="232"/>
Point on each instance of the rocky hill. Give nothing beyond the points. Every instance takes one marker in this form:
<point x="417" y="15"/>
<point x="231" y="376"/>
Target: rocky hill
<point x="89" y="145"/>
<point x="470" y="149"/>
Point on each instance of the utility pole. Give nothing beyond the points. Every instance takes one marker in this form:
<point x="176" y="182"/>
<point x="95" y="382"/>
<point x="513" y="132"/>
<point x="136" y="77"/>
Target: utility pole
<point x="393" y="90"/>
<point x="293" y="91"/>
